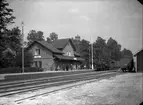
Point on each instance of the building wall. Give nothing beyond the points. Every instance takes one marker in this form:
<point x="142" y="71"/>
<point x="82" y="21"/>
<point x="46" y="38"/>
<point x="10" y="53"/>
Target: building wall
<point x="68" y="48"/>
<point x="135" y="62"/>
<point x="140" y="61"/>
<point x="46" y="57"/>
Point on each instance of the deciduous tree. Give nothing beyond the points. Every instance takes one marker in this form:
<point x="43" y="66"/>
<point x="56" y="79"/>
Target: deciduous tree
<point x="6" y="18"/>
<point x="35" y="36"/>
<point x="53" y="36"/>
<point x="28" y="59"/>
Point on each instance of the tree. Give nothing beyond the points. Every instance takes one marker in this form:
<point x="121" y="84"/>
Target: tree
<point x="126" y="53"/>
<point x="8" y="58"/>
<point x="101" y="52"/>
<point x="14" y="41"/>
<point x="84" y="51"/>
<point x="114" y="49"/>
<point x="6" y="18"/>
<point x="76" y="44"/>
<point x="35" y="36"/>
<point x="53" y="36"/>
<point x="28" y="56"/>
<point x="12" y="45"/>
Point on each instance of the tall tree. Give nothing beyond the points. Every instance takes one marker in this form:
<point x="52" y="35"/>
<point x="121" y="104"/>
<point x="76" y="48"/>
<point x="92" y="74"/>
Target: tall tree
<point x="101" y="53"/>
<point x="35" y="36"/>
<point x="114" y="48"/>
<point x="84" y="51"/>
<point x="14" y="40"/>
<point x="12" y="45"/>
<point x="6" y="16"/>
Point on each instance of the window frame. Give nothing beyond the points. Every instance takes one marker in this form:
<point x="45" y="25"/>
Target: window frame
<point x="37" y="52"/>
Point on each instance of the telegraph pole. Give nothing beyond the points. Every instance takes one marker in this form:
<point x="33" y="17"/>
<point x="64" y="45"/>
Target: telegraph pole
<point x="92" y="55"/>
<point x="22" y="46"/>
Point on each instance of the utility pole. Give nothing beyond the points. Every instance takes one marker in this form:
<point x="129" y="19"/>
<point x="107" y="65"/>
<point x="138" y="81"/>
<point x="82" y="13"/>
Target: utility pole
<point x="92" y="55"/>
<point x="89" y="55"/>
<point x="91" y="52"/>
<point x="22" y="47"/>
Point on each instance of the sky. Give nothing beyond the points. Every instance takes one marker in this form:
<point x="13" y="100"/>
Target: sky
<point x="119" y="19"/>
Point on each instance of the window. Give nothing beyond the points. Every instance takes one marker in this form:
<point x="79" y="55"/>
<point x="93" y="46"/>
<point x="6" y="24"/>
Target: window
<point x="70" y="53"/>
<point x="38" y="64"/>
<point x="67" y="53"/>
<point x="37" y="51"/>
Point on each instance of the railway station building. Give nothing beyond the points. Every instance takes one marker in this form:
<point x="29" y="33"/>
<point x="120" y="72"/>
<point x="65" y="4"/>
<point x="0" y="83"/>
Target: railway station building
<point x="139" y="60"/>
<point x="58" y="55"/>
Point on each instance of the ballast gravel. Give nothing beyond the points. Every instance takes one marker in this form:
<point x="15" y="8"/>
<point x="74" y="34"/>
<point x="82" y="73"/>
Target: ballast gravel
<point x="124" y="89"/>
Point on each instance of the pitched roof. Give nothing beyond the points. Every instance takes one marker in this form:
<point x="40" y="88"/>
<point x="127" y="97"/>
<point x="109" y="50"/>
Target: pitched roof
<point x="138" y="51"/>
<point x="77" y="54"/>
<point x="48" y="46"/>
<point x="61" y="43"/>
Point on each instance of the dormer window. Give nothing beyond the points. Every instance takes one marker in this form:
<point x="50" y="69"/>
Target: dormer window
<point x="37" y="51"/>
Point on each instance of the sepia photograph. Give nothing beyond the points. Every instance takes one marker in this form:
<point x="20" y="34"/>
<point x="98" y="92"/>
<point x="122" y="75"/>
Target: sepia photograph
<point x="71" y="52"/>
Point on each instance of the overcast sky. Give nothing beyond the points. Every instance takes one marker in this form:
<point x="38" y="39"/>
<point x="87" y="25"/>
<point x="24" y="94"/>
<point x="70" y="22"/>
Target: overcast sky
<point x="119" y="19"/>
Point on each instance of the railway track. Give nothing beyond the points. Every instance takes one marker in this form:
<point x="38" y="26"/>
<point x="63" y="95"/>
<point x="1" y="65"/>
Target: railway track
<point x="12" y="88"/>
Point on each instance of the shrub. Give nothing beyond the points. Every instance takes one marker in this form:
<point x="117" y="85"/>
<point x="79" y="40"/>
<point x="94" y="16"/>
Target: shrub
<point x="19" y="70"/>
<point x="33" y="69"/>
<point x="28" y="59"/>
<point x="10" y="70"/>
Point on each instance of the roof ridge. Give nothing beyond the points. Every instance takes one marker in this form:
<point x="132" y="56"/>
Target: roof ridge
<point x="49" y="46"/>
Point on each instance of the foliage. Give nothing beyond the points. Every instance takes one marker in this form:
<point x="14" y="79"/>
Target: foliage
<point x="8" y="58"/>
<point x="28" y="59"/>
<point x="103" y="53"/>
<point x="14" y="39"/>
<point x="35" y="36"/>
<point x="12" y="45"/>
<point x="19" y="70"/>
<point x="53" y="36"/>
<point x="82" y="47"/>
<point x="126" y="53"/>
<point x="6" y="18"/>
<point x="49" y="40"/>
<point x="114" y="49"/>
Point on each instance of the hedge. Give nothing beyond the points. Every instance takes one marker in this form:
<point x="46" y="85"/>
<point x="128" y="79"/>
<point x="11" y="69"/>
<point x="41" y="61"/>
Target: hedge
<point x="19" y="70"/>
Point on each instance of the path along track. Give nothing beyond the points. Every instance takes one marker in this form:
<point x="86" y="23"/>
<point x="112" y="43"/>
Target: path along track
<point x="23" y="86"/>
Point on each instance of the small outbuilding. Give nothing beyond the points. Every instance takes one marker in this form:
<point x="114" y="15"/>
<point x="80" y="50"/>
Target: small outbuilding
<point x="139" y="60"/>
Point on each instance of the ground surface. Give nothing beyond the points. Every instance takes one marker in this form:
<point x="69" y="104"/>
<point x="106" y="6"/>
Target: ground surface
<point x="125" y="89"/>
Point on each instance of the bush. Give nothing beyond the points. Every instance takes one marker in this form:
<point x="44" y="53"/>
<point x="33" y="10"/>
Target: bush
<point x="28" y="59"/>
<point x="19" y="70"/>
<point x="10" y="70"/>
<point x="33" y="69"/>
